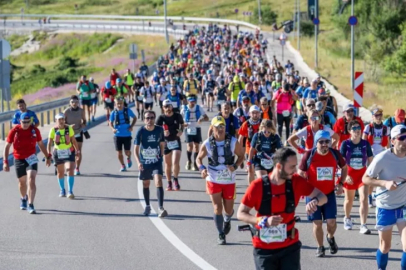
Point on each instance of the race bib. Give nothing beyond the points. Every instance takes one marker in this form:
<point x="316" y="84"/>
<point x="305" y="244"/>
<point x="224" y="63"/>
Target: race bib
<point x="286" y="113"/>
<point x="224" y="176"/>
<point x="107" y="100"/>
<point x="268" y="96"/>
<point x="172" y="145"/>
<point x="174" y="104"/>
<point x="220" y="102"/>
<point x="85" y="94"/>
<point x="356" y="163"/>
<point x="377" y="140"/>
<point x="78" y="135"/>
<point x="93" y="95"/>
<point x="149" y="153"/>
<point x="325" y="173"/>
<point x="267" y="163"/>
<point x="140" y="98"/>
<point x="191" y="131"/>
<point x="31" y="160"/>
<point x="273" y="234"/>
<point x="63" y="154"/>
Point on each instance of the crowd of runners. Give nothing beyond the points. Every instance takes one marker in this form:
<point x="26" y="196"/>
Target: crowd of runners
<point x="265" y="115"/>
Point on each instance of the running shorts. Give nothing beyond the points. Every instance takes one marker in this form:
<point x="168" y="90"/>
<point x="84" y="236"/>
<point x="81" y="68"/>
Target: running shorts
<point x="149" y="172"/>
<point x="228" y="191"/>
<point x="326" y="211"/>
<point x="22" y="166"/>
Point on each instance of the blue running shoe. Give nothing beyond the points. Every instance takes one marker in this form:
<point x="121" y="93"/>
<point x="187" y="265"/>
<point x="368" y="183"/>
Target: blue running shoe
<point x="23" y="205"/>
<point x="129" y="163"/>
<point x="62" y="193"/>
<point x="77" y="172"/>
<point x="31" y="209"/>
<point x="123" y="169"/>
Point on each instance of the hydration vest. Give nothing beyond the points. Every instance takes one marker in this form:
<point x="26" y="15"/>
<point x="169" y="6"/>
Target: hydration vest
<point x="188" y="85"/>
<point x="313" y="152"/>
<point x="310" y="137"/>
<point x="228" y="155"/>
<point x="266" y="203"/>
<point x="385" y="135"/>
<point x="187" y="113"/>
<point x="350" y="150"/>
<point x="251" y="132"/>
<point x="209" y="85"/>
<point x="58" y="136"/>
<point x="221" y="94"/>
<point x="120" y="90"/>
<point x="242" y="118"/>
<point x="175" y="98"/>
<point x="261" y="137"/>
<point x="270" y="115"/>
<point x="231" y="127"/>
<point x="117" y="118"/>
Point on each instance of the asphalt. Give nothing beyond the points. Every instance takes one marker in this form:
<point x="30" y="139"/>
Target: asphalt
<point x="103" y="228"/>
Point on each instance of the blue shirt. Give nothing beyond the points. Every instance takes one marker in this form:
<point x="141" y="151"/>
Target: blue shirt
<point x="16" y="117"/>
<point x="122" y="127"/>
<point x="355" y="161"/>
<point x="299" y="91"/>
<point x="390" y="122"/>
<point x="310" y="93"/>
<point x="266" y="143"/>
<point x="235" y="123"/>
<point x="149" y="142"/>
<point x="332" y="119"/>
<point x="300" y="122"/>
<point x="244" y="93"/>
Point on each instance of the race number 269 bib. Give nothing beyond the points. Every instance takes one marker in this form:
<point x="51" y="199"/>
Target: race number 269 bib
<point x="31" y="160"/>
<point x="325" y="173"/>
<point x="273" y="234"/>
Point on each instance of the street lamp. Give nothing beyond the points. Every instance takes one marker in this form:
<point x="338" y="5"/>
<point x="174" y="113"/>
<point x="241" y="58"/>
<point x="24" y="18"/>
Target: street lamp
<point x="166" y="22"/>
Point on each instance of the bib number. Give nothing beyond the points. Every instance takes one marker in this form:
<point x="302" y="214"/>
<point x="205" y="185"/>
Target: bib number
<point x="140" y="98"/>
<point x="273" y="234"/>
<point x="286" y="113"/>
<point x="78" y="135"/>
<point x="93" y="95"/>
<point x="107" y="100"/>
<point x="173" y="145"/>
<point x="224" y="176"/>
<point x="191" y="131"/>
<point x="356" y="163"/>
<point x="325" y="174"/>
<point x="174" y="104"/>
<point x="63" y="154"/>
<point x="85" y="94"/>
<point x="31" y="160"/>
<point x="149" y="153"/>
<point x="221" y="102"/>
<point x="266" y="163"/>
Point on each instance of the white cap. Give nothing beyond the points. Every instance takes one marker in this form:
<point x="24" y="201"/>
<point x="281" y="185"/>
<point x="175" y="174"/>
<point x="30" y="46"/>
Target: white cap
<point x="254" y="108"/>
<point x="59" y="116"/>
<point x="397" y="130"/>
<point x="348" y="106"/>
<point x="166" y="102"/>
<point x="91" y="79"/>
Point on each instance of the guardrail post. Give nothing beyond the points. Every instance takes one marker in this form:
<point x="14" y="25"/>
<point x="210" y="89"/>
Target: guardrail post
<point x="42" y="119"/>
<point x="3" y="134"/>
<point x="60" y="110"/>
<point x="53" y="114"/>
<point x="48" y="122"/>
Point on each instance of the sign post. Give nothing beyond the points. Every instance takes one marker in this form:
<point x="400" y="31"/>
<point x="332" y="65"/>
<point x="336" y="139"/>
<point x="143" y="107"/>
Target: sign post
<point x="133" y="53"/>
<point x="282" y="39"/>
<point x="5" y="70"/>
<point x="358" y="90"/>
<point x="352" y="21"/>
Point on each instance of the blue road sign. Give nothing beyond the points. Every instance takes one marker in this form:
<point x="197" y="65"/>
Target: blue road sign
<point x="352" y="20"/>
<point x="316" y="21"/>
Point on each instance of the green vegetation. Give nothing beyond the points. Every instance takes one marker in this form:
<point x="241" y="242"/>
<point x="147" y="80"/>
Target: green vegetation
<point x="16" y="41"/>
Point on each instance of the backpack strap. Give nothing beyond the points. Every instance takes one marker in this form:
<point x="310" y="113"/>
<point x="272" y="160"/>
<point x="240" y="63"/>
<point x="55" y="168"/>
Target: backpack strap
<point x="364" y="152"/>
<point x="290" y="197"/>
<point x="349" y="151"/>
<point x="266" y="207"/>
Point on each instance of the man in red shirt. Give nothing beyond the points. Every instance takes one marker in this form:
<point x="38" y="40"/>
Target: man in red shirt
<point x="24" y="138"/>
<point x="340" y="127"/>
<point x="319" y="167"/>
<point x="113" y="77"/>
<point x="247" y="130"/>
<point x="276" y="240"/>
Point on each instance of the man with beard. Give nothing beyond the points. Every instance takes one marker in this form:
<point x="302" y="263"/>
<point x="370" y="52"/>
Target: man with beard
<point x="276" y="241"/>
<point x="172" y="123"/>
<point x="389" y="167"/>
<point x="221" y="149"/>
<point x="319" y="167"/>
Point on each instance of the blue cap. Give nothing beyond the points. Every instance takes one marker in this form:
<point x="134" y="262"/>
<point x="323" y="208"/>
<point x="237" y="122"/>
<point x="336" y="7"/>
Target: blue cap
<point x="118" y="80"/>
<point x="25" y="116"/>
<point x="107" y="85"/>
<point x="191" y="98"/>
<point x="321" y="134"/>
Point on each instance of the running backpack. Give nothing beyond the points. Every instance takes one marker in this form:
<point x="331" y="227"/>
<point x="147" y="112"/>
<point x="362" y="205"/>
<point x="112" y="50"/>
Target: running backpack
<point x="266" y="203"/>
<point x="313" y="152"/>
<point x="117" y="118"/>
<point x="350" y="151"/>
<point x="58" y="136"/>
<point x="228" y="155"/>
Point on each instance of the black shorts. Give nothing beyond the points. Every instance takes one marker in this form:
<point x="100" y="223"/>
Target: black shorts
<point x="176" y="110"/>
<point x="21" y="167"/>
<point x="119" y="142"/>
<point x="194" y="138"/>
<point x="287" y="258"/>
<point x="109" y="105"/>
<point x="80" y="138"/>
<point x="59" y="161"/>
<point x="161" y="104"/>
<point x="167" y="150"/>
<point x="148" y="105"/>
<point x="87" y="102"/>
<point x="210" y="94"/>
<point x="140" y="101"/>
<point x="259" y="167"/>
<point x="149" y="172"/>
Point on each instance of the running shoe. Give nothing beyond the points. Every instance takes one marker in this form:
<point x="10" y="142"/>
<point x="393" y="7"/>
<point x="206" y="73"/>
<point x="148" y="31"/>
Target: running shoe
<point x="333" y="245"/>
<point x="188" y="166"/>
<point x="176" y="185"/>
<point x="347" y="224"/>
<point x="364" y="229"/>
<point x="23" y="204"/>
<point x="195" y="168"/>
<point x="162" y="213"/>
<point x="93" y="119"/>
<point x="227" y="227"/>
<point x="370" y="202"/>
<point x="62" y="193"/>
<point x="71" y="196"/>
<point x="320" y="252"/>
<point x="31" y="209"/>
<point x="169" y="187"/>
<point x="129" y="163"/>
<point x="147" y="210"/>
<point x="222" y="239"/>
<point x="77" y="172"/>
<point x="123" y="169"/>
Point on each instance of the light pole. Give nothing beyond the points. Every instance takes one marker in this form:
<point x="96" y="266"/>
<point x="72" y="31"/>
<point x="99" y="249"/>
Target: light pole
<point x="298" y="25"/>
<point x="316" y="33"/>
<point x="166" y="22"/>
<point x="259" y="12"/>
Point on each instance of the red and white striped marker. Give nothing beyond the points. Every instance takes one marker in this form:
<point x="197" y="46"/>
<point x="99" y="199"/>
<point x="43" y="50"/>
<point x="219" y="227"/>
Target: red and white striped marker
<point x="358" y="89"/>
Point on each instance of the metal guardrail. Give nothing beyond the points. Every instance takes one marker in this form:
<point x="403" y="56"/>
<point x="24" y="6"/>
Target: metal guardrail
<point x="119" y="17"/>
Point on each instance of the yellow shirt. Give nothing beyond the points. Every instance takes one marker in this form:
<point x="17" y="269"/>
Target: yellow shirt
<point x="191" y="87"/>
<point x="62" y="145"/>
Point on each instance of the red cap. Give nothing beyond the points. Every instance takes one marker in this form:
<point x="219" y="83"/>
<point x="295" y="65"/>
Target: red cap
<point x="400" y="115"/>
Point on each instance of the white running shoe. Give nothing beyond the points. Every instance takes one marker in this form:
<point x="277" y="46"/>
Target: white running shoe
<point x="347" y="224"/>
<point x="364" y="229"/>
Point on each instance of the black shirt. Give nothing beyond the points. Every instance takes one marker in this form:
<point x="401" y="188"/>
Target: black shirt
<point x="137" y="87"/>
<point x="174" y="122"/>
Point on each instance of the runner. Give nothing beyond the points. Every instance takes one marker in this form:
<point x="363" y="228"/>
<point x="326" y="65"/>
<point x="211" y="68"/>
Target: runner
<point x="75" y="117"/>
<point x="221" y="150"/>
<point x="138" y="84"/>
<point x="175" y="98"/>
<point x="148" y="93"/>
<point x="332" y="102"/>
<point x="149" y="146"/>
<point x="319" y="167"/>
<point x="284" y="101"/>
<point x="273" y="249"/>
<point x="172" y="123"/>
<point x="94" y="100"/>
<point x="114" y="76"/>
<point x="24" y="138"/>
<point x="121" y="127"/>
<point x="263" y="146"/>
<point x="398" y="119"/>
<point x="193" y="114"/>
<point x="22" y="108"/>
<point x="232" y="122"/>
<point x="358" y="154"/>
<point x="122" y="90"/>
<point x="247" y="130"/>
<point x="209" y="87"/>
<point x="221" y="93"/>
<point x="84" y="88"/>
<point x="267" y="112"/>
<point x="341" y="125"/>
<point x="108" y="93"/>
<point x="389" y="167"/>
<point x="191" y="86"/>
<point x="235" y="87"/>
<point x="62" y="137"/>
<point x="161" y="92"/>
<point x="129" y="82"/>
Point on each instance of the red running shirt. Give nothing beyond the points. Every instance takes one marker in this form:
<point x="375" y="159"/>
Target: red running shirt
<point x="24" y="141"/>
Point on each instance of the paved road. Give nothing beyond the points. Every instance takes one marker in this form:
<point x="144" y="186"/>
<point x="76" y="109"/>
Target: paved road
<point x="103" y="228"/>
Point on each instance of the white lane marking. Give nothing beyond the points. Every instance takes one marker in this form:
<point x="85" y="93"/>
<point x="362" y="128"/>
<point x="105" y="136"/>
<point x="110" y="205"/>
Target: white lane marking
<point x="172" y="238"/>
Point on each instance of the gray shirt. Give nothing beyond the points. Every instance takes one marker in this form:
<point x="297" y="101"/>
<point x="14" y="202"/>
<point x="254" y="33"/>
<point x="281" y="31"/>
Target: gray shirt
<point x="387" y="166"/>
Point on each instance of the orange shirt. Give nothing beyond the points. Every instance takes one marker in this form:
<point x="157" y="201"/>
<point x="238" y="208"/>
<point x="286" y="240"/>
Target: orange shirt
<point x="243" y="131"/>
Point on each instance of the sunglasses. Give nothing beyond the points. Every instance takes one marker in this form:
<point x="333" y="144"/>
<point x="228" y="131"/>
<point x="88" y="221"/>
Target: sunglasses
<point x="167" y="106"/>
<point x="401" y="138"/>
<point x="315" y="118"/>
<point x="378" y="115"/>
<point x="355" y="128"/>
<point x="26" y="122"/>
<point x="311" y="105"/>
<point x="221" y="127"/>
<point x="74" y="101"/>
<point x="149" y="118"/>
<point x="324" y="142"/>
<point x="266" y="132"/>
<point x="245" y="101"/>
<point x="264" y="104"/>
<point x="350" y="111"/>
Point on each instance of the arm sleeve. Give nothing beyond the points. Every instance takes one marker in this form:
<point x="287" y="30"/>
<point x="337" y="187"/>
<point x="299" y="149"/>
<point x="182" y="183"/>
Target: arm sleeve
<point x="303" y="162"/>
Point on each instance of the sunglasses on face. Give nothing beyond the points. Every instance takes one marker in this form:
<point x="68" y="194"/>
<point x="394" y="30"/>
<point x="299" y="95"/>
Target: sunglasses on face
<point x="245" y="101"/>
<point x="311" y="105"/>
<point x="26" y="122"/>
<point x="315" y="118"/>
<point x="167" y="106"/>
<point x="350" y="111"/>
<point x="149" y="118"/>
<point x="324" y="142"/>
<point x="74" y="101"/>
<point x="355" y="128"/>
<point x="221" y="127"/>
<point x="401" y="138"/>
<point x="267" y="132"/>
<point x="378" y="115"/>
<point x="264" y="104"/>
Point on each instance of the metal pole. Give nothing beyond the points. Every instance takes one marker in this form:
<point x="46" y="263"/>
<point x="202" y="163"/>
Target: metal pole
<point x="298" y="25"/>
<point x="282" y="52"/>
<point x="166" y="27"/>
<point x="294" y="16"/>
<point x="259" y="12"/>
<point x="134" y="65"/>
<point x="316" y="33"/>
<point x="352" y="47"/>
